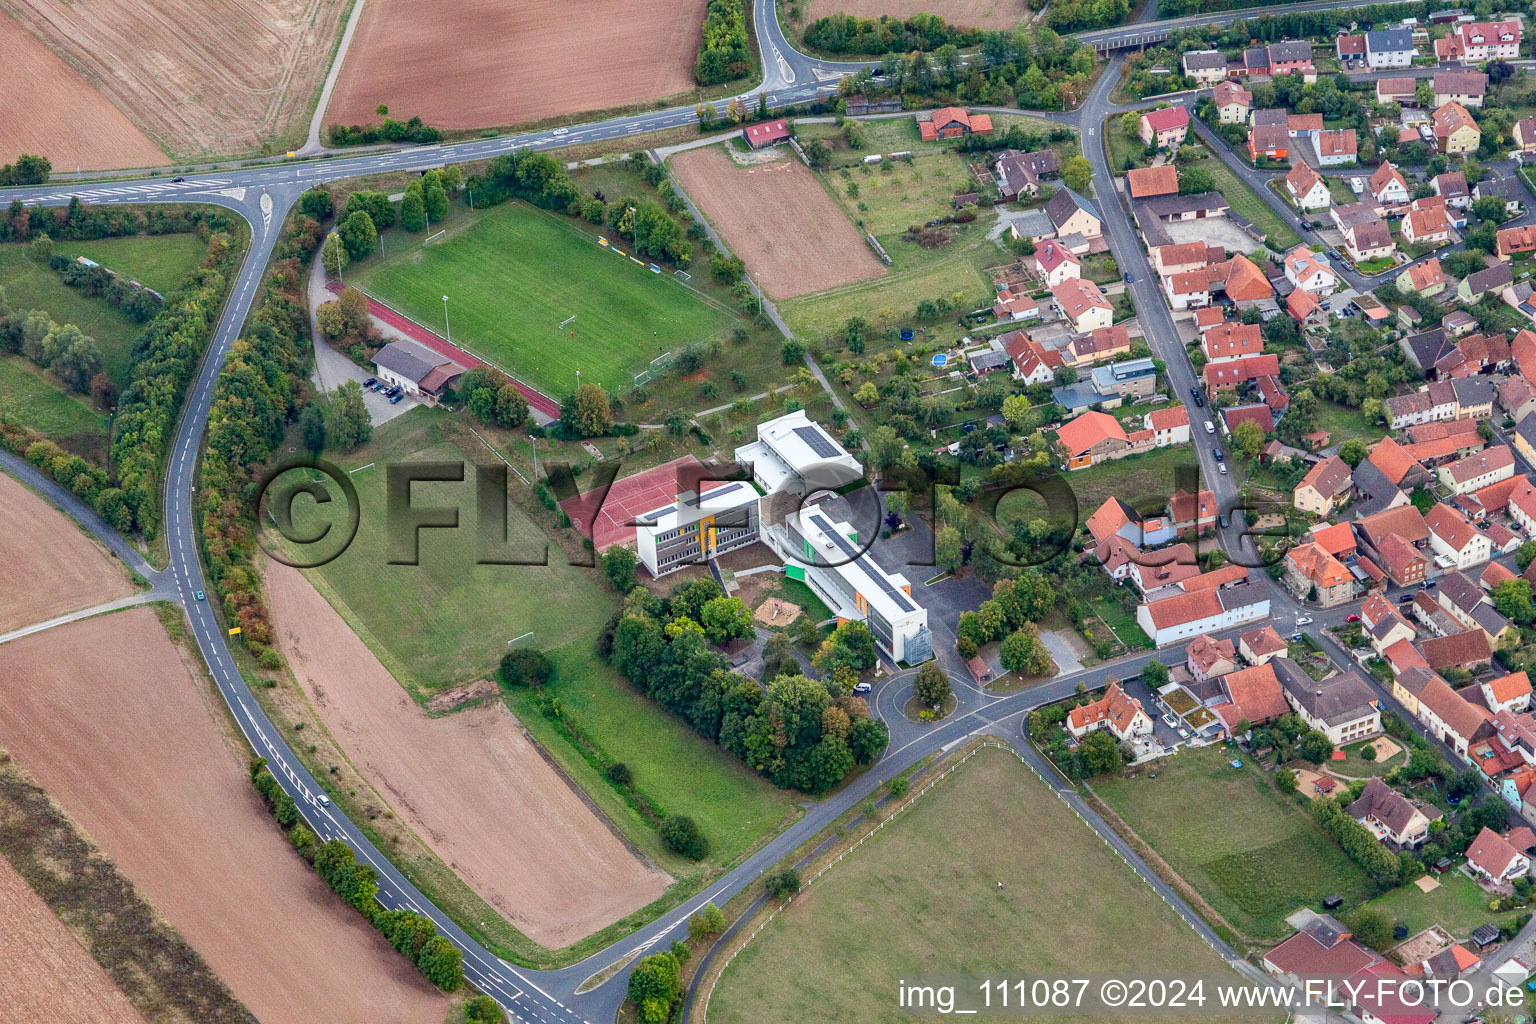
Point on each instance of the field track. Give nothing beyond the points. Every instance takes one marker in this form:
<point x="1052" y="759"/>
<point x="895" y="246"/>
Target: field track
<point x="471" y="784"/>
<point x="777" y="217"/>
<point x="107" y="718"/>
<point x="483" y="63"/>
<point x="48" y="567"/>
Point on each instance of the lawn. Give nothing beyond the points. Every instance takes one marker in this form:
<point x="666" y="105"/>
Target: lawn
<point x="1357" y="767"/>
<point x="678" y="770"/>
<point x="34" y="400"/>
<point x="1121" y="621"/>
<point x="513" y="274"/>
<point x="1250" y="850"/>
<point x="447" y="620"/>
<point x="1458" y="906"/>
<point x="1149" y="477"/>
<point x="160" y="262"/>
<point x="1247" y="203"/>
<point x="1343" y="423"/>
<point x="988" y="873"/>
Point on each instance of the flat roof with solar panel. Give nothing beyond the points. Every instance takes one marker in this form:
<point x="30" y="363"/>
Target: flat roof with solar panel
<point x="872" y="582"/>
<point x="792" y="445"/>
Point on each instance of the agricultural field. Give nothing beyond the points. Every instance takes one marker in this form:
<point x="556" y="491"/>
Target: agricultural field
<point x="954" y="885"/>
<point x="199" y="79"/>
<point x="428" y="623"/>
<point x="682" y="773"/>
<point x="159" y="261"/>
<point x="779" y="219"/>
<point x="49" y="976"/>
<point x="48" y="565"/>
<point x="68" y="120"/>
<point x="37" y="401"/>
<point x="119" y="687"/>
<point x="994" y="14"/>
<point x="513" y="274"/>
<point x="513" y="63"/>
<point x="1253" y="852"/>
<point x="558" y="882"/>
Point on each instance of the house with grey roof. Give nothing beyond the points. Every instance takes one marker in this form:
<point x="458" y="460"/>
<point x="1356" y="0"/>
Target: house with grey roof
<point x="416" y="369"/>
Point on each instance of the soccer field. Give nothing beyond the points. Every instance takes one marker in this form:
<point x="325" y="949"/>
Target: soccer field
<point x="513" y="274"/>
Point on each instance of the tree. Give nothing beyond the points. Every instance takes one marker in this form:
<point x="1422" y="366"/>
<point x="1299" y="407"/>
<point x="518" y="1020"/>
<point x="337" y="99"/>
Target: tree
<point x="724" y="619"/>
<point x="1315" y="747"/>
<point x="1353" y="452"/>
<point x="708" y="921"/>
<point x="312" y="429"/>
<point x="655" y="986"/>
<point x="931" y="685"/>
<point x="73" y="356"/>
<point x="1525" y="554"/>
<point x="1130" y="124"/>
<point x="316" y="203"/>
<point x="791" y="352"/>
<point x="359" y="235"/>
<point x="413" y="211"/>
<point x="511" y="407"/>
<point x="1195" y="180"/>
<point x="347" y="423"/>
<point x="1099" y="753"/>
<point x="619" y="567"/>
<point x="1247" y="439"/>
<point x="1512" y="599"/>
<point x="437" y="202"/>
<point x="41" y="248"/>
<point x="482" y="1009"/>
<point x="524" y="666"/>
<point x="682" y="836"/>
<point x="782" y="883"/>
<point x="442" y="963"/>
<point x="1016" y="411"/>
<point x="1372" y="927"/>
<point x="334" y="254"/>
<point x="1155" y="675"/>
<point x="586" y="412"/>
<point x="1077" y="173"/>
<point x="947" y="547"/>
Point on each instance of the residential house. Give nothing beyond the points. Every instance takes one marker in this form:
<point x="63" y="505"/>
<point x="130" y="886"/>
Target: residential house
<point x="1322" y="488"/>
<point x="1476" y="285"/>
<point x="1259" y="646"/>
<point x="1096" y="437"/>
<point x="1456" y="133"/>
<point x="1169" y="426"/>
<point x="1251" y="695"/>
<point x="1481" y="41"/>
<point x="1383" y="623"/>
<point x="1208" y="658"/>
<point x="1238" y="279"/>
<point x="1231" y="340"/>
<point x="1271" y="141"/>
<point x="952" y="123"/>
<point x="1166" y="127"/>
<point x="1387" y="185"/>
<point x="1396" y="90"/>
<point x="1019" y="174"/>
<point x="1232" y="101"/>
<point x="1307" y="188"/>
<point x="1424" y="278"/>
<point x="1116" y="712"/>
<point x="1468" y="649"/>
<point x="1454" y="540"/>
<point x="1343" y="706"/>
<point x="1507" y="188"/>
<point x="1315" y="575"/>
<point x="1181" y="616"/>
<point x="1206" y="67"/>
<point x="1185" y="258"/>
<point x="1516" y="241"/>
<point x="1524" y="135"/>
<point x="1452" y="187"/>
<point x="1478" y="470"/>
<point x="1349" y="48"/>
<point x="1335" y="147"/>
<point x="1234" y="372"/>
<point x="1369" y="241"/>
<point x="1143" y="182"/>
<point x="1056" y="263"/>
<point x="1495" y="860"/>
<point x="1464" y="87"/>
<point x="1288" y="57"/>
<point x="1449" y="718"/>
<point x="1517" y="397"/>
<point x="1083" y="304"/>
<point x="1510" y="693"/>
<point x="1405" y="564"/>
<point x="1033" y="363"/>
<point x="1012" y="305"/>
<point x="1522" y="502"/>
<point x="1071" y="215"/>
<point x="1392" y="817"/>
<point x="1192" y="513"/>
<point x="1389" y="48"/>
<point x="1310" y="272"/>
<point x="1427" y="225"/>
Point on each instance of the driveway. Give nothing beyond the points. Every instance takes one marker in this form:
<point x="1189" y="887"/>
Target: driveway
<point x="1061" y="652"/>
<point x="332" y="368"/>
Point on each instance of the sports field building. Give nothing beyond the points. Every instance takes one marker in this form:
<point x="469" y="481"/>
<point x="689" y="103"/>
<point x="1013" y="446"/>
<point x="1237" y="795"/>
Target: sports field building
<point x="793" y="458"/>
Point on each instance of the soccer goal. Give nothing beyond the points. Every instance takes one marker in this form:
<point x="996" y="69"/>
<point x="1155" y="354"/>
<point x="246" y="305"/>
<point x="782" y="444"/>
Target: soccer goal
<point x="682" y="275"/>
<point x="567" y="321"/>
<point x="434" y="237"/>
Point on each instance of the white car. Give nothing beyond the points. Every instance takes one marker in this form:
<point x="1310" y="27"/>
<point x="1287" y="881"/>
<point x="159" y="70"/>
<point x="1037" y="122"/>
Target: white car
<point x="1210" y="428"/>
<point x="1170" y="721"/>
<point x="862" y="687"/>
<point x="1223" y="467"/>
<point x="1305" y="620"/>
<point x="322" y="800"/>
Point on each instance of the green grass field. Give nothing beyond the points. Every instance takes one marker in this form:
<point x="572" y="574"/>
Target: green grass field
<point x="1149" y="476"/>
<point x="448" y="620"/>
<point x="160" y="262"/>
<point x="1357" y="767"/>
<point x="1247" y="203"/>
<point x="1253" y="852"/>
<point x="923" y="896"/>
<point x="1458" y="905"/>
<point x="675" y="767"/>
<point x="513" y="274"/>
<point x="34" y="400"/>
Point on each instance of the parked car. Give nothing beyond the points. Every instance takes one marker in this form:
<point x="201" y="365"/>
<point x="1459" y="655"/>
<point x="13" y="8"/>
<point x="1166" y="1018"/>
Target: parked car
<point x="1170" y="721"/>
<point x="1221" y="467"/>
<point x="394" y="398"/>
<point x="1405" y="599"/>
<point x="862" y="687"/>
<point x="1224" y="521"/>
<point x="1218" y="454"/>
<point x="1128" y="279"/>
<point x="1210" y="428"/>
<point x="370" y="382"/>
<point x="1351" y="618"/>
<point x="1199" y="400"/>
<point x="1333" y="254"/>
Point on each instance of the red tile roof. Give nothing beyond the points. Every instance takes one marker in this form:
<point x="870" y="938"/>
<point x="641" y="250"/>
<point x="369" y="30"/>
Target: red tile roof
<point x="1167" y="118"/>
<point x="1152" y="181"/>
<point x="1088" y="430"/>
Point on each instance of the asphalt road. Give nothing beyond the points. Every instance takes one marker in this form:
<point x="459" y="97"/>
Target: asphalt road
<point x="263" y="194"/>
<point x="1147" y="33"/>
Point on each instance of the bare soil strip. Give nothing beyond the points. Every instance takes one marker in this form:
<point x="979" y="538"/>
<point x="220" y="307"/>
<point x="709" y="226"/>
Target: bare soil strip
<point x="483" y="63"/>
<point x="48" y="567"/>
<point x="471" y="784"/>
<point x="777" y="217"/>
<point x="107" y="717"/>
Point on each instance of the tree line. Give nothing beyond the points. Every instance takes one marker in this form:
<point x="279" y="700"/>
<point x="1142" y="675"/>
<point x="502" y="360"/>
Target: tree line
<point x="29" y="169"/>
<point x="388" y="130"/>
<point x="137" y="303"/>
<point x="801" y="733"/>
<point x="723" y="53"/>
<point x="62" y="348"/>
<point x="79" y="222"/>
<point x="845" y="33"/>
<point x="412" y="934"/>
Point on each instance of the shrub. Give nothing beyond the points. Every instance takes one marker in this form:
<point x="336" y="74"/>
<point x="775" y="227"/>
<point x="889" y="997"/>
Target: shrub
<point x="784" y="883"/>
<point x="619" y="774"/>
<point x="525" y="667"/>
<point x="682" y="836"/>
<point x="482" y="1009"/>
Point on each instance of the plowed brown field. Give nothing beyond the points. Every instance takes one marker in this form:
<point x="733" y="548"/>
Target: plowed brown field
<point x="201" y="77"/>
<point x="776" y="216"/>
<point x="49" y="978"/>
<point x="488" y="62"/>
<point x="471" y="784"/>
<point x="66" y="119"/>
<point x="47" y="566"/>
<point x="997" y="14"/>
<point x="106" y="717"/>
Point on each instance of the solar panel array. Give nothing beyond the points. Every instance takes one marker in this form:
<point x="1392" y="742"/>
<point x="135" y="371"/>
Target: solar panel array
<point x="871" y="570"/>
<point x="818" y="442"/>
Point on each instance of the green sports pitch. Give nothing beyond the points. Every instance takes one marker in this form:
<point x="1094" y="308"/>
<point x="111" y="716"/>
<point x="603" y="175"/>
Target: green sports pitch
<point x="514" y="275"/>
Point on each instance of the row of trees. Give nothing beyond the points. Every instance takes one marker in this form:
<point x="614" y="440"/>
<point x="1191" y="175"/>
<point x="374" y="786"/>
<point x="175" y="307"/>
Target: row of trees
<point x="723" y="53"/>
<point x="410" y="933"/>
<point x="29" y="169"/>
<point x="79" y="222"/>
<point x="387" y="130"/>
<point x="136" y="302"/>
<point x="802" y="733"/>
<point x="845" y="33"/>
<point x="62" y="348"/>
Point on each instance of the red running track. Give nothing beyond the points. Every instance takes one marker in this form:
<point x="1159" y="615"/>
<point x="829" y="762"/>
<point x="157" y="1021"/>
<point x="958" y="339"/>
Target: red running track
<point x="537" y="400"/>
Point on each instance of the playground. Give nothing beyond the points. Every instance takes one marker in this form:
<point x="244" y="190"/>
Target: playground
<point x="534" y="294"/>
